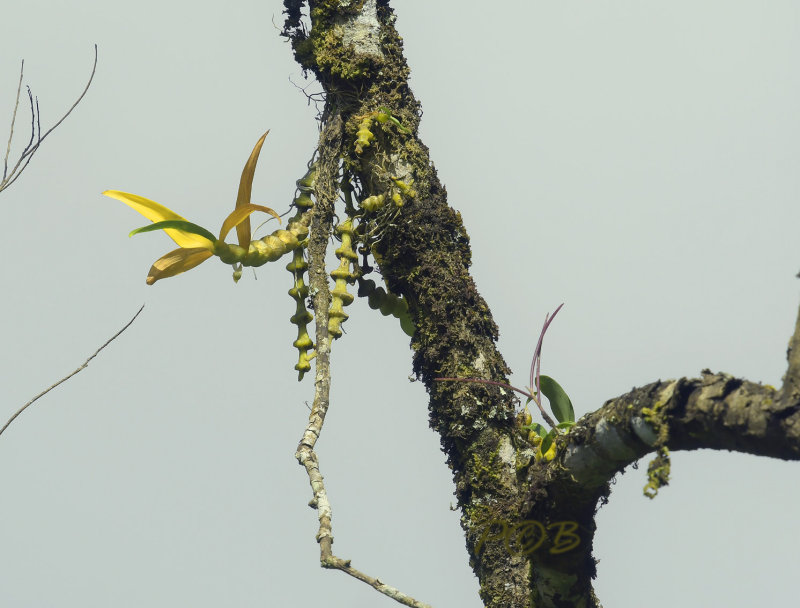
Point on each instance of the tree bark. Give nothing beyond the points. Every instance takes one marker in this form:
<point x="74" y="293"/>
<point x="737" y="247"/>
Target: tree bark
<point x="521" y="517"/>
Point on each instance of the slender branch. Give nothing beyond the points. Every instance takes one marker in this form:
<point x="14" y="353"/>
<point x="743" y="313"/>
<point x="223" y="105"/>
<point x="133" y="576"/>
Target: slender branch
<point x="31" y="148"/>
<point x="375" y="583"/>
<point x="68" y="376"/>
<point x="321" y="222"/>
<point x="13" y="120"/>
<point x="36" y="127"/>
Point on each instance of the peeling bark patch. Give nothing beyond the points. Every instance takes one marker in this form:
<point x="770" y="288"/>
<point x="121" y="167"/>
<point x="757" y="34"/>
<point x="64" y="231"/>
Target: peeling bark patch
<point x="643" y="430"/>
<point x="611" y="443"/>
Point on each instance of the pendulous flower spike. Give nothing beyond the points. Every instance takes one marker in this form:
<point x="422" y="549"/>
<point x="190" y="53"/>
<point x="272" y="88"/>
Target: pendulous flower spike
<point x="342" y="275"/>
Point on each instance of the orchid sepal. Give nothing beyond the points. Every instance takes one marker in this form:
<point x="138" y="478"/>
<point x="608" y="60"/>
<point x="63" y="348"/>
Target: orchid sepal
<point x="177" y="261"/>
<point x="156" y="212"/>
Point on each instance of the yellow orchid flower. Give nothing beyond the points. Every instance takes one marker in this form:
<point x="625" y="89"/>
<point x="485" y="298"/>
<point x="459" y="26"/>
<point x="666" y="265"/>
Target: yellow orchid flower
<point x="196" y="244"/>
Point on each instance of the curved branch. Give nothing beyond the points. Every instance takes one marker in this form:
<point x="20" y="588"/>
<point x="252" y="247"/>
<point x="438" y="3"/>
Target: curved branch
<point x="80" y="368"/>
<point x="715" y="411"/>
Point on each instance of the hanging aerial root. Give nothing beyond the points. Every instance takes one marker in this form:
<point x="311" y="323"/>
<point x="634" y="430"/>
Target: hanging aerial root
<point x="342" y="275"/>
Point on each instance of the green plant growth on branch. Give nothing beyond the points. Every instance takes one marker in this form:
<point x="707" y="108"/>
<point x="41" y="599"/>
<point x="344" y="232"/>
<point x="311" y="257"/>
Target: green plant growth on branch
<point x="373" y="189"/>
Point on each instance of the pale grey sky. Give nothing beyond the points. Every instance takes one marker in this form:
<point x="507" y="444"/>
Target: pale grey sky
<point x="635" y="160"/>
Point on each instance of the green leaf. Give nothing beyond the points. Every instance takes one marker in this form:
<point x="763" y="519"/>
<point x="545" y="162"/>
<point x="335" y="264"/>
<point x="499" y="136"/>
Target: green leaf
<point x="560" y="404"/>
<point x="538" y="429"/>
<point x="182" y="225"/>
<point x="547" y="441"/>
<point x="567" y="424"/>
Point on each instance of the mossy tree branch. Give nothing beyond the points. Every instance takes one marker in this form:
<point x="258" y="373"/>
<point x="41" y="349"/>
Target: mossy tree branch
<point x="423" y="253"/>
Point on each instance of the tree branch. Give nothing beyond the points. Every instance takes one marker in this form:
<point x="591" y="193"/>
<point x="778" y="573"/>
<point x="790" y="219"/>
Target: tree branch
<point x="422" y="250"/>
<point x="68" y="376"/>
<point x="13" y="120"/>
<point x="715" y="411"/>
<point x="423" y="254"/>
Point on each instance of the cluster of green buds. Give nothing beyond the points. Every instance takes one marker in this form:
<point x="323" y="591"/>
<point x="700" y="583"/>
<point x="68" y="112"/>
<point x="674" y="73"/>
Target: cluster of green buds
<point x="399" y="193"/>
<point x="364" y="135"/>
<point x="402" y="191"/>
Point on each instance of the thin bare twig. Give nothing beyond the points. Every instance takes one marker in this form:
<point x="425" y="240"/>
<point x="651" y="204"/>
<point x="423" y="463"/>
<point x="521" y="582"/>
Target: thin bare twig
<point x="13" y="120"/>
<point x="375" y="583"/>
<point x="36" y="133"/>
<point x="68" y="376"/>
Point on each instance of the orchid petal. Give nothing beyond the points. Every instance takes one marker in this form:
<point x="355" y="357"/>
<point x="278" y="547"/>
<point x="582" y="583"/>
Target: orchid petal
<point x="239" y="215"/>
<point x="155" y="212"/>
<point x="183" y="226"/>
<point x="245" y="191"/>
<point x="177" y="261"/>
